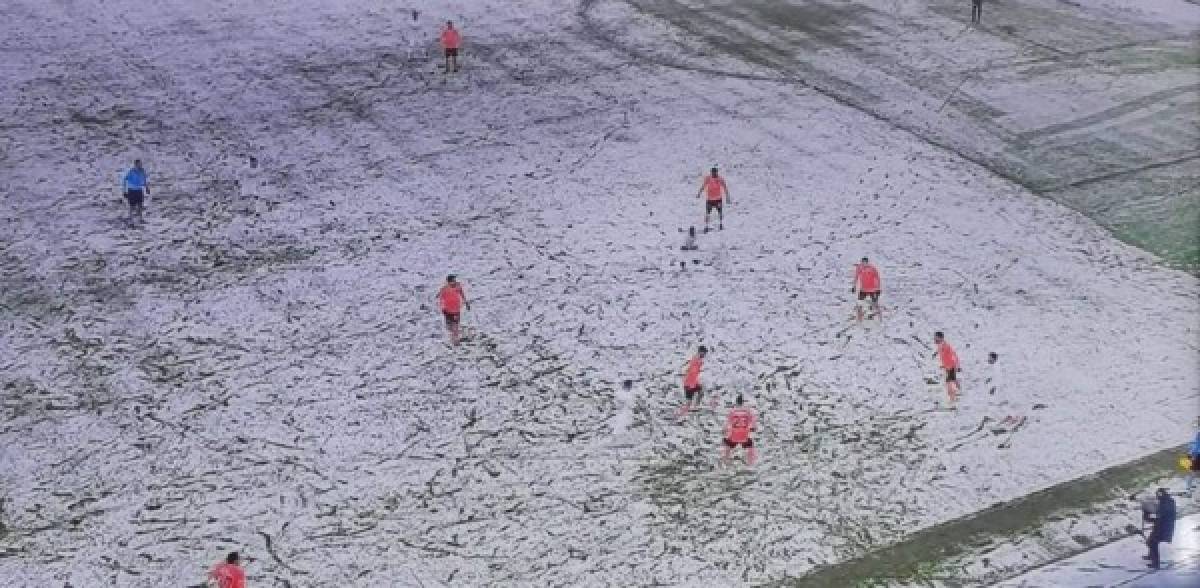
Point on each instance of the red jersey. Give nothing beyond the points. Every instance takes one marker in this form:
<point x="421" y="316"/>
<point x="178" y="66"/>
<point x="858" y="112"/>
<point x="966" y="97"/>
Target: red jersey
<point x="228" y="575"/>
<point x="867" y="278"/>
<point x="739" y="424"/>
<point x="947" y="356"/>
<point x="691" y="378"/>
<point x="451" y="39"/>
<point x="451" y="298"/>
<point x="714" y="188"/>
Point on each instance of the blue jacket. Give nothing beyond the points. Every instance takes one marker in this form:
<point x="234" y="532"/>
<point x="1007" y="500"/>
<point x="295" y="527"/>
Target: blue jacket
<point x="1194" y="450"/>
<point x="1164" y="523"/>
<point x="135" y="179"/>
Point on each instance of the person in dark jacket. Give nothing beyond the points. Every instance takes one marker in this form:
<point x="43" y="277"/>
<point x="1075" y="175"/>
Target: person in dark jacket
<point x="1163" y="526"/>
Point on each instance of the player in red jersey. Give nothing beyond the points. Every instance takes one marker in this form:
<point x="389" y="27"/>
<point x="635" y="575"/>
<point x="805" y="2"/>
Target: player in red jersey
<point x="229" y="574"/>
<point x="451" y="42"/>
<point x="691" y="381"/>
<point x="715" y="193"/>
<point x="738" y="427"/>
<point x="452" y="299"/>
<point x="868" y="286"/>
<point x="949" y="362"/>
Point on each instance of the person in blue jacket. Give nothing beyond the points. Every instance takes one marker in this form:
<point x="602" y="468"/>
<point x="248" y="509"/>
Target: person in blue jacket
<point x="1194" y="469"/>
<point x="136" y="189"/>
<point x="1163" y="527"/>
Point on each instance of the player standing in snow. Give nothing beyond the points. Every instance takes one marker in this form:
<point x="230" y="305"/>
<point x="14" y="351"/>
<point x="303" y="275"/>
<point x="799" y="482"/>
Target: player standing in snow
<point x="976" y="11"/>
<point x="452" y="299"/>
<point x="415" y="44"/>
<point x="451" y="41"/>
<point x="715" y="192"/>
<point x="229" y="574"/>
<point x="738" y="426"/>
<point x="691" y="381"/>
<point x="136" y="190"/>
<point x="949" y="362"/>
<point x="868" y="286"/>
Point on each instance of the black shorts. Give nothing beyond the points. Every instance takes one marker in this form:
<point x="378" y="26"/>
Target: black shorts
<point x="451" y="318"/>
<point x="452" y="52"/>
<point x="952" y="375"/>
<point x="747" y="444"/>
<point x="874" y="296"/>
<point x="711" y="205"/>
<point x="135" y="197"/>
<point x="690" y="393"/>
<point x="1196" y="463"/>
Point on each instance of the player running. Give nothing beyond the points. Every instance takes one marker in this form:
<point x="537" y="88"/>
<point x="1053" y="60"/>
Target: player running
<point x="715" y="192"/>
<point x="691" y="381"/>
<point x="949" y="361"/>
<point x="451" y="41"/>
<point x="867" y="285"/>
<point x="452" y="299"/>
<point x="229" y="574"/>
<point x="738" y="427"/>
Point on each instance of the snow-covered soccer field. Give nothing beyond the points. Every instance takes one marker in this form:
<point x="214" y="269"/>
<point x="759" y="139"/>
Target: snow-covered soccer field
<point x="262" y="366"/>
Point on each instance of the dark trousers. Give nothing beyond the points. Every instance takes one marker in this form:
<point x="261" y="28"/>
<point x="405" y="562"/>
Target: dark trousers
<point x="976" y="10"/>
<point x="1152" y="542"/>
<point x="135" y="199"/>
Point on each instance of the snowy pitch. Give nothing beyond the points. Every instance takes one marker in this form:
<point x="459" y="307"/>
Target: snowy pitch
<point x="262" y="367"/>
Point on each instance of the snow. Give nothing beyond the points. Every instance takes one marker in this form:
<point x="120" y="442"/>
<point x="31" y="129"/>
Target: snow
<point x="262" y="367"/>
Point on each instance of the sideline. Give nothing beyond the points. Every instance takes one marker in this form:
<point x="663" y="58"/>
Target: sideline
<point x="908" y="557"/>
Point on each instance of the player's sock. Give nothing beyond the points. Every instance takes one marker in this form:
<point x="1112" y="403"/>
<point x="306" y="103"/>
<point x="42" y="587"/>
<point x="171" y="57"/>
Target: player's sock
<point x="751" y="456"/>
<point x="725" y="454"/>
<point x="683" y="410"/>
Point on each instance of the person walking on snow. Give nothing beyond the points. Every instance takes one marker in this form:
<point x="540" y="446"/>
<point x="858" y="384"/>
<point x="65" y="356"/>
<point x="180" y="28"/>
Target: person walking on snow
<point x="949" y="362"/>
<point x="135" y="190"/>
<point x="715" y="192"/>
<point x="451" y="41"/>
<point x="738" y="427"/>
<point x="452" y="299"/>
<point x="691" y="381"/>
<point x="229" y="574"/>
<point x="415" y="44"/>
<point x="1194" y="465"/>
<point x="867" y="285"/>
<point x="976" y="11"/>
<point x="1162" y="527"/>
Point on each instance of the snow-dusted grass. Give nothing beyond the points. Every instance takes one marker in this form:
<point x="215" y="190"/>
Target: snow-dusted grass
<point x="262" y="367"/>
